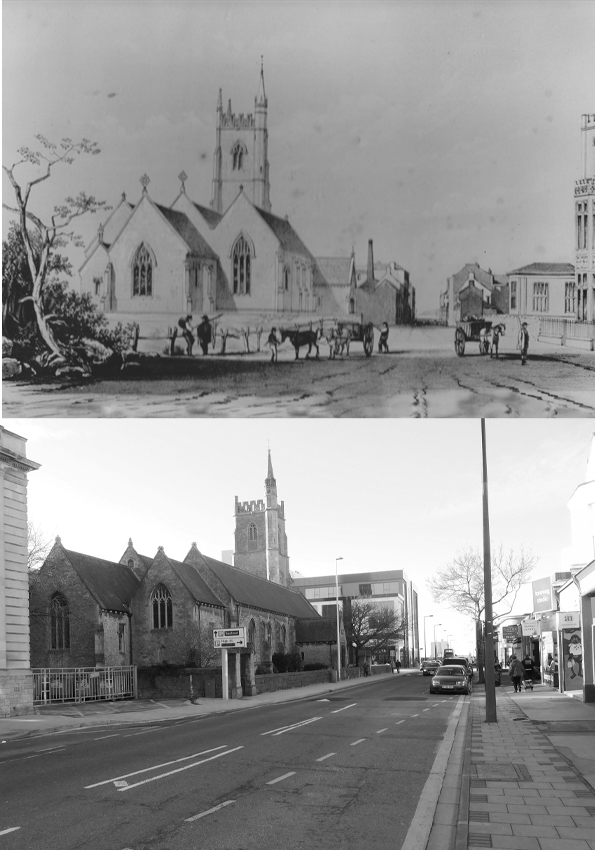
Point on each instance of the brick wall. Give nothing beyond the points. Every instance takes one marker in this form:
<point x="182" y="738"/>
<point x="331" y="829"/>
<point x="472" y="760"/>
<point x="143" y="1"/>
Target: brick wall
<point x="283" y="681"/>
<point x="16" y="693"/>
<point x="316" y="652"/>
<point x="178" y="682"/>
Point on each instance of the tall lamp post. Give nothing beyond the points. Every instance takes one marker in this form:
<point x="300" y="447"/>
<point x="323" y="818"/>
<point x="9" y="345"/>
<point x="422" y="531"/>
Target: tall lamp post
<point x="427" y="617"/>
<point x="435" y="627"/>
<point x="338" y="633"/>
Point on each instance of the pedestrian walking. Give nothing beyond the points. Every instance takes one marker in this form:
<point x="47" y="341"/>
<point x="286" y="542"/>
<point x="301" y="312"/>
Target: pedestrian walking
<point x="497" y="673"/>
<point x="383" y="341"/>
<point x="185" y="325"/>
<point x="273" y="342"/>
<point x="528" y="671"/>
<point x="398" y="665"/>
<point x="516" y="672"/>
<point x="523" y="343"/>
<point x="366" y="668"/>
<point x="204" y="333"/>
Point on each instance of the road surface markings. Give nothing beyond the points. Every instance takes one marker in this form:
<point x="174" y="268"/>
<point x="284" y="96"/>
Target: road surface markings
<point x="209" y="811"/>
<point x="327" y="756"/>
<point x="144" y="732"/>
<point x="337" y="710"/>
<point x="415" y="715"/>
<point x="53" y="749"/>
<point x="115" y="735"/>
<point x="399" y="721"/>
<point x="434" y="704"/>
<point x="281" y="729"/>
<point x="426" y="709"/>
<point x="279" y="778"/>
<point x="179" y="769"/>
<point x="157" y="766"/>
<point x="12" y="829"/>
<point x="359" y="741"/>
<point x="382" y="730"/>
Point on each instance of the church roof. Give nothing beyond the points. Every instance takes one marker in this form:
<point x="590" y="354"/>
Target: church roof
<point x="112" y="585"/>
<point x="211" y="217"/>
<point x="182" y="224"/>
<point x="546" y="268"/>
<point x="284" y="232"/>
<point x="334" y="271"/>
<point x="259" y="592"/>
<point x="195" y="583"/>
<point x="316" y="630"/>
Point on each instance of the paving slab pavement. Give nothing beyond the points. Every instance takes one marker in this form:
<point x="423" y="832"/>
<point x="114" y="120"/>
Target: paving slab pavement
<point x="523" y="786"/>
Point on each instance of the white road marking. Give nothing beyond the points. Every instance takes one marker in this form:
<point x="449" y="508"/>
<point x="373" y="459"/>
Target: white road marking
<point x="179" y="769"/>
<point x="382" y="730"/>
<point x="144" y="732"/>
<point x="327" y="756"/>
<point x="115" y="735"/>
<point x="53" y="749"/>
<point x="426" y="709"/>
<point x="324" y="699"/>
<point x="415" y="715"/>
<point x="399" y="721"/>
<point x="210" y="811"/>
<point x="337" y="710"/>
<point x="12" y="829"/>
<point x="434" y="704"/>
<point x="279" y="778"/>
<point x="359" y="741"/>
<point x="281" y="729"/>
<point x="157" y="766"/>
<point x="162" y="704"/>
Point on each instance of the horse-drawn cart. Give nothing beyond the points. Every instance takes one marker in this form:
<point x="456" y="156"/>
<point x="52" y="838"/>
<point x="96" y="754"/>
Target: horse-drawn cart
<point x="472" y="330"/>
<point x="340" y="333"/>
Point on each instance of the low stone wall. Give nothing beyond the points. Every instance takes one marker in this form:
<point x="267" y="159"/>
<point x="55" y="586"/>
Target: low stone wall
<point x="179" y="682"/>
<point x="16" y="693"/>
<point x="378" y="669"/>
<point x="283" y="681"/>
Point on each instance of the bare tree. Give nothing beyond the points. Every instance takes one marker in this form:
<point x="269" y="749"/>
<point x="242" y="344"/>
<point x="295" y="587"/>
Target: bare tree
<point x="38" y="546"/>
<point x="192" y="645"/>
<point x="460" y="585"/>
<point x="371" y="625"/>
<point x="56" y="233"/>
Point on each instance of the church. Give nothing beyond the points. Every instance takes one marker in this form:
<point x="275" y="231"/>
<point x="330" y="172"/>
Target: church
<point x="152" y="262"/>
<point x="151" y="611"/>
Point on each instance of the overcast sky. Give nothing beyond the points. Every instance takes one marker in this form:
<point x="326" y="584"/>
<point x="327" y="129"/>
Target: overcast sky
<point x="382" y="494"/>
<point x="447" y="132"/>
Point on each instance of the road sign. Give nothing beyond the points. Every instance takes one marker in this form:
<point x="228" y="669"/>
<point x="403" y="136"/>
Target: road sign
<point x="229" y="638"/>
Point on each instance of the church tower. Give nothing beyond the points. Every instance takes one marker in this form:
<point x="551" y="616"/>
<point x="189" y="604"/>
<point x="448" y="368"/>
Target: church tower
<point x="241" y="154"/>
<point x="260" y="539"/>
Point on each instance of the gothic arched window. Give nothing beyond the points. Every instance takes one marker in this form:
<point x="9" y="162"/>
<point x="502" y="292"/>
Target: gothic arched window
<point x="161" y="603"/>
<point x="252" y="536"/>
<point x="130" y="562"/>
<point x="59" y="622"/>
<point x="283" y="636"/>
<point x="268" y="634"/>
<point x="286" y="279"/>
<point x="252" y="632"/>
<point x="237" y="153"/>
<point x="142" y="272"/>
<point x="241" y="258"/>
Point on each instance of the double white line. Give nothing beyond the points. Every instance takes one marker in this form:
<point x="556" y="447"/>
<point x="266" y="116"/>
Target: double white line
<point x="283" y="729"/>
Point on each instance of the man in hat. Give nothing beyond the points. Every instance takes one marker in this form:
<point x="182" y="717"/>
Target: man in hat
<point x="273" y="342"/>
<point x="204" y="333"/>
<point x="523" y="343"/>
<point x="185" y="325"/>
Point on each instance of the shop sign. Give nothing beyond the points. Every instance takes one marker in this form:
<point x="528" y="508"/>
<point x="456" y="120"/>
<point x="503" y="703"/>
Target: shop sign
<point x="568" y="620"/>
<point x="548" y="622"/>
<point x="543" y="596"/>
<point x="510" y="633"/>
<point x="531" y="628"/>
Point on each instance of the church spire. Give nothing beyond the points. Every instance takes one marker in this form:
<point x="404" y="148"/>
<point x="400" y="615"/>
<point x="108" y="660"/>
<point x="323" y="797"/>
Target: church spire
<point x="270" y="475"/>
<point x="261" y="98"/>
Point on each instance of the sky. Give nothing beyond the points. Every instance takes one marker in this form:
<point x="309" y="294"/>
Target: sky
<point x="446" y="131"/>
<point x="380" y="494"/>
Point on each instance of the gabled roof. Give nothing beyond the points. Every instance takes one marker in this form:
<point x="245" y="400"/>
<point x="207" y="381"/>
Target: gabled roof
<point x="195" y="583"/>
<point x="112" y="585"/>
<point x="211" y="217"/>
<point x="333" y="271"/>
<point x="182" y="224"/>
<point x="481" y="276"/>
<point x="259" y="592"/>
<point x="284" y="232"/>
<point x="546" y="268"/>
<point x="316" y="630"/>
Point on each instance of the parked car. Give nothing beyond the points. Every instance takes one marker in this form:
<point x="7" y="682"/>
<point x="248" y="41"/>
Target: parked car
<point x="464" y="662"/>
<point x="429" y="666"/>
<point x="451" y="679"/>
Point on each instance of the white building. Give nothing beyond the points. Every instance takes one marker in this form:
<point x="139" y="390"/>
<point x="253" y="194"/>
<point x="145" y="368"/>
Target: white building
<point x="584" y="200"/>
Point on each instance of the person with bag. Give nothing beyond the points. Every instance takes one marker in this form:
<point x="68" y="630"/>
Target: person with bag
<point x="516" y="672"/>
<point x="528" y="671"/>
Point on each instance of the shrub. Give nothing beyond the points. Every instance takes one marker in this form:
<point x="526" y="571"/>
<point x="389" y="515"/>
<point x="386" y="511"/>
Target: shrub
<point x="74" y="317"/>
<point x="315" y="665"/>
<point x="260" y="670"/>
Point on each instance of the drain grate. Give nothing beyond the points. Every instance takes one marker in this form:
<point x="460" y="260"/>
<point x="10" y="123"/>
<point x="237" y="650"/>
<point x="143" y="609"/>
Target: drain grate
<point x="479" y="817"/>
<point x="583" y="794"/>
<point x="478" y="839"/>
<point x="478" y="798"/>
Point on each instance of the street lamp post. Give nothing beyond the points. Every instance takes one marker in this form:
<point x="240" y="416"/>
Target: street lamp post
<point x="435" y="627"/>
<point x="427" y="617"/>
<point x="338" y="633"/>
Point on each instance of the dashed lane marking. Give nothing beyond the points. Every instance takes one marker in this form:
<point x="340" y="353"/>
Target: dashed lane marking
<point x="426" y="709"/>
<point x="399" y="721"/>
<point x="382" y="730"/>
<point x="144" y="732"/>
<point x="337" y="710"/>
<point x="209" y="811"/>
<point x="279" y="778"/>
<point x="11" y="829"/>
<point x="54" y="749"/>
<point x="415" y="715"/>
<point x="281" y="729"/>
<point x="103" y="737"/>
<point x="359" y="741"/>
<point x="327" y="756"/>
<point x="157" y="766"/>
<point x="179" y="769"/>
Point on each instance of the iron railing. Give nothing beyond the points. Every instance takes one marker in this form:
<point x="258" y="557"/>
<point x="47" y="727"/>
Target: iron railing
<point x="82" y="684"/>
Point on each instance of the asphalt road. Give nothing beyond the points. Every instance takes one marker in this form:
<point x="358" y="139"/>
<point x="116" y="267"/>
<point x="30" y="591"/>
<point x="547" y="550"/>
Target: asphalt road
<point x="344" y="772"/>
<point x="421" y="377"/>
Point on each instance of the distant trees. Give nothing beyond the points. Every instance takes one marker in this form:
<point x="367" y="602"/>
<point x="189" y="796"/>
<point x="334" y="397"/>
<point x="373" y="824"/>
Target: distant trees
<point x="371" y="625"/>
<point x="460" y="585"/>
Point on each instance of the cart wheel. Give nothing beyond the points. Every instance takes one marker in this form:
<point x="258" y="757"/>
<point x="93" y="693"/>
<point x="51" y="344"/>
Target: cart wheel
<point x="368" y="340"/>
<point x="459" y="342"/>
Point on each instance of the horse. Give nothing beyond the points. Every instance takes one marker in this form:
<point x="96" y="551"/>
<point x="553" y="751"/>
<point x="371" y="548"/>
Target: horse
<point x="494" y="337"/>
<point x="299" y="338"/>
<point x="338" y="341"/>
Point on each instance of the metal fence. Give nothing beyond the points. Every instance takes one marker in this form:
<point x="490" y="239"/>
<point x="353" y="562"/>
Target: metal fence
<point x="567" y="328"/>
<point x="82" y="684"/>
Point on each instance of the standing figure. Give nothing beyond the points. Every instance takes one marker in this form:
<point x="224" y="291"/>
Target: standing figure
<point x="205" y="334"/>
<point x="273" y="342"/>
<point x="523" y="343"/>
<point x="366" y="668"/>
<point x="185" y="324"/>
<point x="516" y="672"/>
<point x="528" y="671"/>
<point x="398" y="665"/>
<point x="383" y="341"/>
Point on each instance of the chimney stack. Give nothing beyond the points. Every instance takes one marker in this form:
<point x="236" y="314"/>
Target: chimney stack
<point x="370" y="276"/>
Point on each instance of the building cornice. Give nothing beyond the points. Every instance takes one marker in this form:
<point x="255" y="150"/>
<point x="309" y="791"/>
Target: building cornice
<point x="19" y="462"/>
